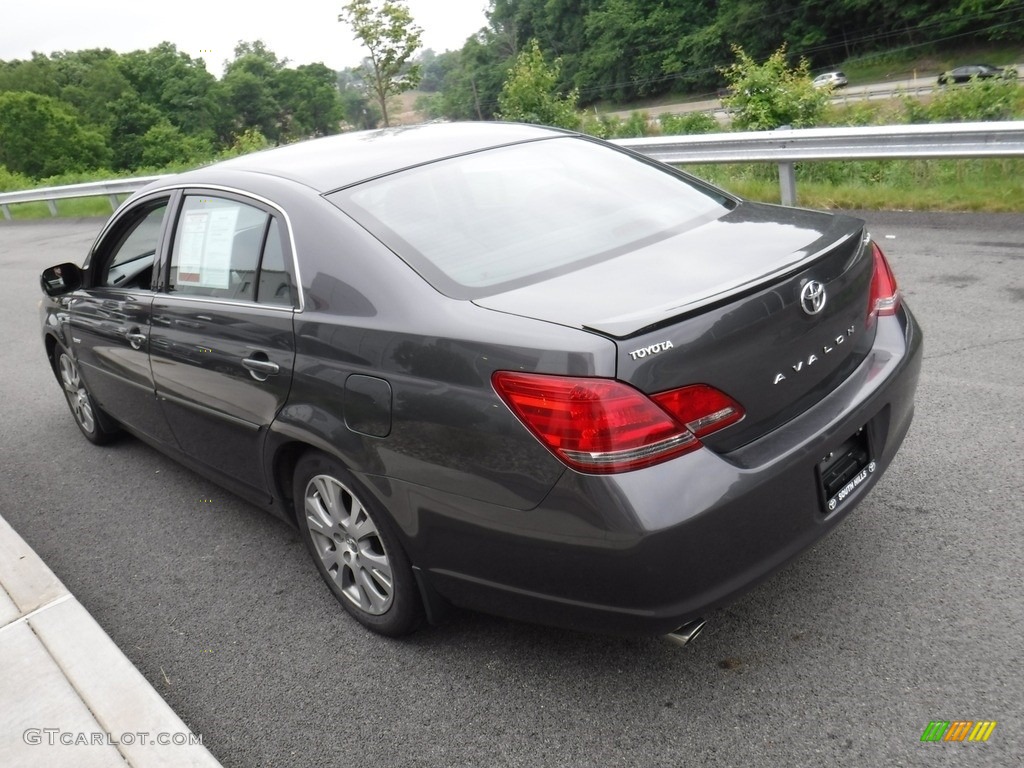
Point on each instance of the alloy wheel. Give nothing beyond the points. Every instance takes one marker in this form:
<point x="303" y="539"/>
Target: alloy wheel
<point x="349" y="545"/>
<point x="77" y="395"/>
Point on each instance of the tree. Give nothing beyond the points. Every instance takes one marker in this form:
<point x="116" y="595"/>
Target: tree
<point x="40" y="136"/>
<point x="474" y="79"/>
<point x="357" y="108"/>
<point x="432" y="70"/>
<point x="390" y="35"/>
<point x="165" y="144"/>
<point x="250" y="87"/>
<point x="625" y="48"/>
<point x="769" y="95"/>
<point x="130" y="118"/>
<point x="91" y="87"/>
<point x="310" y="102"/>
<point x="177" y="85"/>
<point x="35" y="75"/>
<point x="252" y="103"/>
<point x="530" y="93"/>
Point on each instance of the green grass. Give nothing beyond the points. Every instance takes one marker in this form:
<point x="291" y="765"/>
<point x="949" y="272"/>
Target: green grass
<point x="994" y="186"/>
<point x="79" y="207"/>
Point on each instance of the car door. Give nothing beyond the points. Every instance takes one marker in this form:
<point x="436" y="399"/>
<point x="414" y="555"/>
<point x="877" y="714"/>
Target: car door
<point x="222" y="346"/>
<point x="110" y="317"/>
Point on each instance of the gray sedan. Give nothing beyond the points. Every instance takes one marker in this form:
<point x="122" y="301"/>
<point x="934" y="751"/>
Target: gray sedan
<point x="498" y="366"/>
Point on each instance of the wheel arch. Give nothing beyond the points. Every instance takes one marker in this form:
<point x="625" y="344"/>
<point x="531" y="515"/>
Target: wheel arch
<point x="285" y="459"/>
<point x="288" y="452"/>
<point x="50" y="343"/>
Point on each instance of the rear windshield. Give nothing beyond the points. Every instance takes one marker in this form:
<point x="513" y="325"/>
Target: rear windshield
<point x="491" y="221"/>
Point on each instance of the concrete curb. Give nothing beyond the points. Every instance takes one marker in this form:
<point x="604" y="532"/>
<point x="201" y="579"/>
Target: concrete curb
<point x="70" y="696"/>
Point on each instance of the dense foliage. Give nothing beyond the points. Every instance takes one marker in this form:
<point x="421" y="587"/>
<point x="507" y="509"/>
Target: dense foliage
<point x="537" y="60"/>
<point x="75" y="111"/>
<point x="40" y="136"/>
<point x="624" y="50"/>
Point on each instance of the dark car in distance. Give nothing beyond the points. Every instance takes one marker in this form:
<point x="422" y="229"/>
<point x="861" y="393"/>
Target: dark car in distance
<point x="969" y="72"/>
<point x="499" y="366"/>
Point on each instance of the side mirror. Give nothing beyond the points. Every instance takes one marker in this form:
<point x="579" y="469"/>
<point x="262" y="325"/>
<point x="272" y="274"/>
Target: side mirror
<point x="61" y="279"/>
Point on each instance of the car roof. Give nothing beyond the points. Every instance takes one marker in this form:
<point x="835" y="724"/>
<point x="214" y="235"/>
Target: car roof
<point x="334" y="162"/>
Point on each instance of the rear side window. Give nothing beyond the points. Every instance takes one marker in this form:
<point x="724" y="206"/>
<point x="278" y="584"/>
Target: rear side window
<point x="494" y="220"/>
<point x="226" y="249"/>
<point x="275" y="285"/>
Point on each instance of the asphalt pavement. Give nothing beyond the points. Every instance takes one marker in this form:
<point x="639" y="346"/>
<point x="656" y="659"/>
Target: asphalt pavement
<point x="71" y="698"/>
<point x="911" y="612"/>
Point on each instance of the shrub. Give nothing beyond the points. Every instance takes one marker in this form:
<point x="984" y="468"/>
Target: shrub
<point x="602" y="126"/>
<point x="637" y="125"/>
<point x="251" y="140"/>
<point x="165" y="144"/>
<point x="978" y="100"/>
<point x="690" y="123"/>
<point x="773" y="94"/>
<point x="530" y="93"/>
<point x="12" y="182"/>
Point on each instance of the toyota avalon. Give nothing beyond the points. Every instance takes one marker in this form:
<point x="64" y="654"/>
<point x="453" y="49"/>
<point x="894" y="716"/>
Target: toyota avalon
<point x="497" y="366"/>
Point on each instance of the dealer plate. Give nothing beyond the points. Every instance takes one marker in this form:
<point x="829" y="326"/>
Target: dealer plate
<point x="845" y="469"/>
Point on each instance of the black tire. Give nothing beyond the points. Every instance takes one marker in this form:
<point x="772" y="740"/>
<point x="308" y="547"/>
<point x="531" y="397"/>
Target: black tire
<point x="97" y="427"/>
<point x="354" y="547"/>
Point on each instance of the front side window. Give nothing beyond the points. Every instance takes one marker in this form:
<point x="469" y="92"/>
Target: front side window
<point x="227" y="249"/>
<point x="126" y="255"/>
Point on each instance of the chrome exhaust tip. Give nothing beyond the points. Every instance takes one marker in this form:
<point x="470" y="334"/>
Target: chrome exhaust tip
<point x="686" y="633"/>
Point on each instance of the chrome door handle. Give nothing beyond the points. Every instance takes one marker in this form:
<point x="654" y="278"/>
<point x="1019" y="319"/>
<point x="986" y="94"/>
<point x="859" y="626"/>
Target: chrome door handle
<point x="261" y="369"/>
<point x="135" y="338"/>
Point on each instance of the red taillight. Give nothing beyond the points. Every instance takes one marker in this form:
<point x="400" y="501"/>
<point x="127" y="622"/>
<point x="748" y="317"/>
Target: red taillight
<point x="701" y="408"/>
<point x="885" y="294"/>
<point x="603" y="426"/>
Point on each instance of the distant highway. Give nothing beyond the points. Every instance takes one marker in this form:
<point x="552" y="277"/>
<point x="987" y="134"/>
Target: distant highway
<point x="915" y="86"/>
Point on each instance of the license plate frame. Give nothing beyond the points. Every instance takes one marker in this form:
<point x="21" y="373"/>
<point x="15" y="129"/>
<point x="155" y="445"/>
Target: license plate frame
<point x="844" y="470"/>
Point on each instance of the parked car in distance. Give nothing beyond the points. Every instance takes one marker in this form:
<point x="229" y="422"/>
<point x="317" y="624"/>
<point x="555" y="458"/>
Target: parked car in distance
<point x="506" y="367"/>
<point x="830" y="80"/>
<point x="967" y="72"/>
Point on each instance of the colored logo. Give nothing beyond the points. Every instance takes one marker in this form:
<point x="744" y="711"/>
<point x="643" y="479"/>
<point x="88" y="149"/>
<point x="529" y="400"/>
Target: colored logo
<point x="958" y="730"/>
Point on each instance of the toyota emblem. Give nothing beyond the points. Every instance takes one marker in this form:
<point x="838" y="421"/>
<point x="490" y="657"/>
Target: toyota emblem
<point x="812" y="297"/>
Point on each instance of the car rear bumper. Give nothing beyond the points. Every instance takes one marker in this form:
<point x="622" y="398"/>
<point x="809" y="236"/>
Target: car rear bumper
<point x="643" y="552"/>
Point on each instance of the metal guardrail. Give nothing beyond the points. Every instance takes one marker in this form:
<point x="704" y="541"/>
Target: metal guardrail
<point x="785" y="147"/>
<point x="995" y="139"/>
<point x="50" y="195"/>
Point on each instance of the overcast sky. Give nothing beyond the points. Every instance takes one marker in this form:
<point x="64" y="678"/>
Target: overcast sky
<point x="303" y="31"/>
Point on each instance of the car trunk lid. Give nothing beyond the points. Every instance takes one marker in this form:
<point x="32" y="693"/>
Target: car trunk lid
<point x="726" y="304"/>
